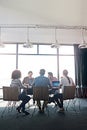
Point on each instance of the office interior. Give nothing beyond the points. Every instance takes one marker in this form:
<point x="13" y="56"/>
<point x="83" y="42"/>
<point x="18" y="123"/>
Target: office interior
<point x="50" y="35"/>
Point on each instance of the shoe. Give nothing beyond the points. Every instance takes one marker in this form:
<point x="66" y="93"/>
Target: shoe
<point x="18" y="109"/>
<point x="56" y="104"/>
<point x="26" y="113"/>
<point x="61" y="110"/>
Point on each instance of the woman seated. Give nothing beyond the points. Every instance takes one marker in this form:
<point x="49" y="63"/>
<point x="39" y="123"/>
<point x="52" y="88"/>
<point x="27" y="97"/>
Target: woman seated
<point x="16" y="82"/>
<point x="58" y="97"/>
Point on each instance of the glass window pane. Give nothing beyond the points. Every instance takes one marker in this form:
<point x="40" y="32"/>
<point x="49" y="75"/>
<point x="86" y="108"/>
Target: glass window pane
<point x="35" y="63"/>
<point x="46" y="49"/>
<point x="67" y="62"/>
<point x="9" y="48"/>
<point x="23" y="50"/>
<point x="66" y="50"/>
<point x="7" y="65"/>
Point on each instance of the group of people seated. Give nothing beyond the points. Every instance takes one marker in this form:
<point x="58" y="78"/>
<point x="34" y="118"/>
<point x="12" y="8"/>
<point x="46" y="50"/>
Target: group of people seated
<point x="40" y="81"/>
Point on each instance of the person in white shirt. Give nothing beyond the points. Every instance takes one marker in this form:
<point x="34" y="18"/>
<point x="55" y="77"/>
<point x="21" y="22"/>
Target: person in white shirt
<point x="66" y="80"/>
<point x="58" y="97"/>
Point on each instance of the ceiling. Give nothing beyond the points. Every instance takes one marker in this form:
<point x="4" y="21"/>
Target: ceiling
<point x="61" y="13"/>
<point x="55" y="12"/>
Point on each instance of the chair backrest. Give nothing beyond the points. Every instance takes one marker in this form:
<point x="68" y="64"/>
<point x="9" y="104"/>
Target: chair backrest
<point x="40" y="93"/>
<point x="69" y="92"/>
<point x="10" y="93"/>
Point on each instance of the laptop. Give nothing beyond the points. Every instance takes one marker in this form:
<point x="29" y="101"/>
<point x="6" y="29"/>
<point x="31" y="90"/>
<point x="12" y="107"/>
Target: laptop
<point x="55" y="83"/>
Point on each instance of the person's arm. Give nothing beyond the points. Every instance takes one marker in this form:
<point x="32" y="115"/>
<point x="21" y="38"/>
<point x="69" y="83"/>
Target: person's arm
<point x="33" y="83"/>
<point x="26" y="85"/>
<point x="20" y="84"/>
<point x="73" y="82"/>
<point x="49" y="84"/>
<point x="23" y="81"/>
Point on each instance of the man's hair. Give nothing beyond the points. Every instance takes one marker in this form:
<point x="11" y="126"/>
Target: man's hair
<point x="30" y="72"/>
<point x="50" y="73"/>
<point x="42" y="71"/>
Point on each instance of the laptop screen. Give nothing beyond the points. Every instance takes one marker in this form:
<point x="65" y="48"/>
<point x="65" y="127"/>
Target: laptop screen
<point x="55" y="83"/>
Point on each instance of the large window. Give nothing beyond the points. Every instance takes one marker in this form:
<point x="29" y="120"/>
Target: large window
<point x="40" y="56"/>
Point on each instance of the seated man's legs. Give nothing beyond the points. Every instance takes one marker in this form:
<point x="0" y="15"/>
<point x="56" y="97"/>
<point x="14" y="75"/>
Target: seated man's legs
<point x="41" y="108"/>
<point x="39" y="104"/>
<point x="44" y="105"/>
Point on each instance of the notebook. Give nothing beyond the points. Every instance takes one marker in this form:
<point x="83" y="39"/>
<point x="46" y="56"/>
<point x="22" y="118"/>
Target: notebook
<point x="55" y="83"/>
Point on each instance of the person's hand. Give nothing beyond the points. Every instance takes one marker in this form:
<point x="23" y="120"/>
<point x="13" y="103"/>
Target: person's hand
<point x="26" y="85"/>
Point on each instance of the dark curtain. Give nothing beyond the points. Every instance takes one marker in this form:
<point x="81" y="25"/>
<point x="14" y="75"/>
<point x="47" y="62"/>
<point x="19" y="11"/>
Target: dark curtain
<point x="80" y="66"/>
<point x="78" y="71"/>
<point x="84" y="66"/>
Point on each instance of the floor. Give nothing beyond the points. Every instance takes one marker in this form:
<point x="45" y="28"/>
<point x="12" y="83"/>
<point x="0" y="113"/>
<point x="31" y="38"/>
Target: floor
<point x="74" y="117"/>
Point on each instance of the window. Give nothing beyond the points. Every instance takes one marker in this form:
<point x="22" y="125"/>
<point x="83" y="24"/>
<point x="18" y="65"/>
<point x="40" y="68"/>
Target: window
<point x="66" y="50"/>
<point x="9" y="48"/>
<point x="66" y="60"/>
<point x="35" y="63"/>
<point x="46" y="49"/>
<point x="7" y="65"/>
<point x="30" y="59"/>
<point x="23" y="50"/>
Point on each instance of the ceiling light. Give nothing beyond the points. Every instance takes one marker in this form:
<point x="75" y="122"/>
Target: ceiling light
<point x="56" y="44"/>
<point x="28" y="44"/>
<point x="83" y="44"/>
<point x="52" y="45"/>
